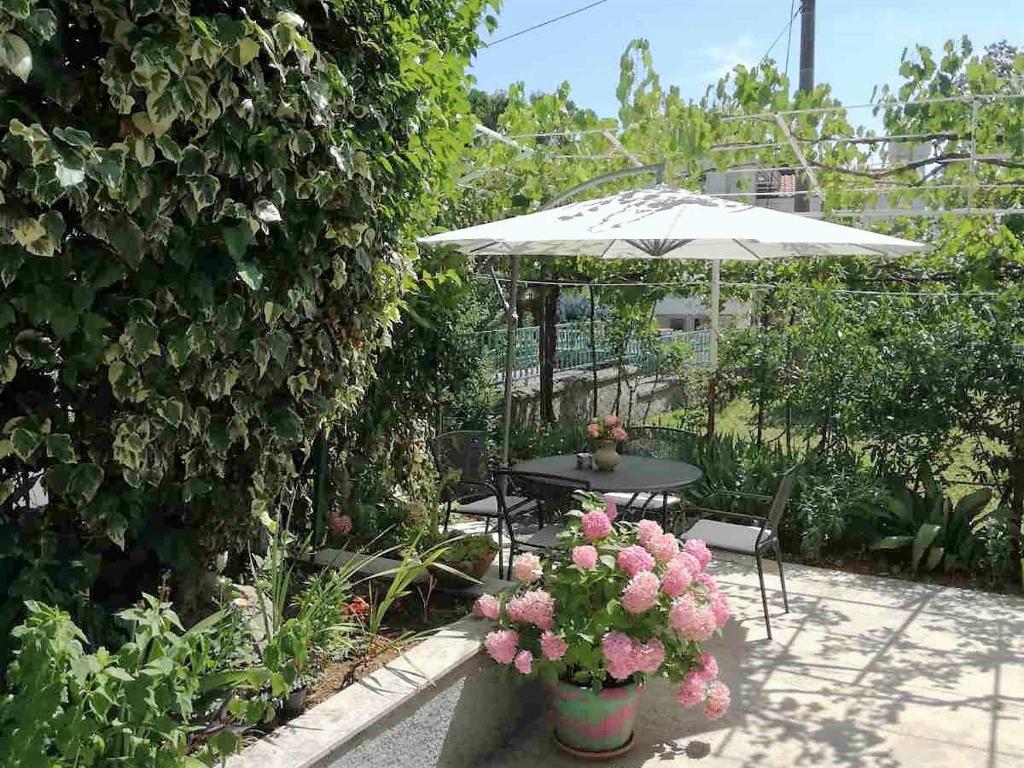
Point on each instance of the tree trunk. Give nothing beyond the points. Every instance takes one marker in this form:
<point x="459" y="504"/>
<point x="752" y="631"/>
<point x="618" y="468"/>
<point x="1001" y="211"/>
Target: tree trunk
<point x="548" y="346"/>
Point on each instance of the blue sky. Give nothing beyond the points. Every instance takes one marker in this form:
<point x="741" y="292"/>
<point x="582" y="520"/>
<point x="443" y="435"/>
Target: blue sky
<point x="859" y="42"/>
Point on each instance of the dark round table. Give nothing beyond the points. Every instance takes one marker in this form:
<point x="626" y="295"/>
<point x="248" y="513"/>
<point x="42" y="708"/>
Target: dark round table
<point x="634" y="474"/>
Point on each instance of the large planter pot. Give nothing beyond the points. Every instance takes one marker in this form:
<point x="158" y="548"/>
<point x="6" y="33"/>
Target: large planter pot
<point x="606" y="457"/>
<point x="593" y="725"/>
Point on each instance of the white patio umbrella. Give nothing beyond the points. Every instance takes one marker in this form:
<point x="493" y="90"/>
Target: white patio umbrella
<point x="660" y="223"/>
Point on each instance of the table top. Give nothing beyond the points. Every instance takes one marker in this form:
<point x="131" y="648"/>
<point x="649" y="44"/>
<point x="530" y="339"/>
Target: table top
<point x="633" y="473"/>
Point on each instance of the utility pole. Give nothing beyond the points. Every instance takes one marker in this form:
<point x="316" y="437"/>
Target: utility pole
<point x="802" y="203"/>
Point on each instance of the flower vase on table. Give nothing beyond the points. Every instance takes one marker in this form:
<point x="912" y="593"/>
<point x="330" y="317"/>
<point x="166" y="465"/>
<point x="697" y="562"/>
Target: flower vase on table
<point x="606" y="457"/>
<point x="596" y="654"/>
<point x="607" y="432"/>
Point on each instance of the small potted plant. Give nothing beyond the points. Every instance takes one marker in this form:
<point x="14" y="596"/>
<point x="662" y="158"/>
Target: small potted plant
<point x="607" y="432"/>
<point x="610" y="607"/>
<point x="468" y="554"/>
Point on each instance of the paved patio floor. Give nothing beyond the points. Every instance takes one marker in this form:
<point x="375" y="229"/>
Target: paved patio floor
<point x="863" y="672"/>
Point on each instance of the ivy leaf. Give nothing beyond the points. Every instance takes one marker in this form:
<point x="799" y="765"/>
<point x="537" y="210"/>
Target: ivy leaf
<point x="251" y="275"/>
<point x="279" y="344"/>
<point x="9" y="369"/>
<point x="204" y="190"/>
<point x="237" y="238"/>
<point x="291" y="19"/>
<point x="59" y="447"/>
<point x="126" y="238"/>
<point x="286" y="424"/>
<point x="25" y="442"/>
<point x="84" y="482"/>
<point x="63" y="320"/>
<point x="169" y="148"/>
<point x="69" y="177"/>
<point x="171" y="410"/>
<point x="243" y="53"/>
<point x="42" y="22"/>
<point x="193" y="161"/>
<point x="73" y="137"/>
<point x="144" y="152"/>
<point x="139" y="339"/>
<point x="15" y="56"/>
<point x="266" y="211"/>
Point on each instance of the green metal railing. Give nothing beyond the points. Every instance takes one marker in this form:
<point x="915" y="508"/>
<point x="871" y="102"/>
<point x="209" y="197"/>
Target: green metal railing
<point x="572" y="348"/>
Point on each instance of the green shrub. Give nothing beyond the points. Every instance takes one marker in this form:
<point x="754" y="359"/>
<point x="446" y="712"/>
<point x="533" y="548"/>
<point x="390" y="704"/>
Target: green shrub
<point x="932" y="529"/>
<point x="145" y="705"/>
<point x="205" y="229"/>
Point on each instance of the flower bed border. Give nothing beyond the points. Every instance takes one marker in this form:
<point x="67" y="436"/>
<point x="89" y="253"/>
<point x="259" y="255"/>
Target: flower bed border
<point x="321" y="731"/>
<point x="309" y="739"/>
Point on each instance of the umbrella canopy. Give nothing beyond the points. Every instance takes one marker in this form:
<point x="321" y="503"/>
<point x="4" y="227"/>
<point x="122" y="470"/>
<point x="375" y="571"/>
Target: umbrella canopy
<point x="666" y="223"/>
<point x="659" y="223"/>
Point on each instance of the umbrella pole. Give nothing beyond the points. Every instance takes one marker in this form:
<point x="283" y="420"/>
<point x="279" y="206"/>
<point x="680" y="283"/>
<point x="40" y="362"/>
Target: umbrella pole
<point x="716" y="288"/>
<point x="512" y="320"/>
<point x="593" y="356"/>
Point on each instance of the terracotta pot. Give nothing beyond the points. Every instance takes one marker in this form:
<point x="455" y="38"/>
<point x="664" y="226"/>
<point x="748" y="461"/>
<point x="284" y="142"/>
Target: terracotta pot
<point x="593" y="725"/>
<point x="474" y="568"/>
<point x="606" y="457"/>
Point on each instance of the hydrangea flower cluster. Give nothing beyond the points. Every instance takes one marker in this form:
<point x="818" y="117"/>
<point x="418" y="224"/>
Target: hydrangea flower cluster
<point x="559" y="621"/>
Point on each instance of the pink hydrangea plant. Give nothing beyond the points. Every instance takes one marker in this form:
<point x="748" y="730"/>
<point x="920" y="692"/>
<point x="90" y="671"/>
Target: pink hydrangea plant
<point x="611" y="509"/>
<point x="718" y="700"/>
<point x="699" y="550"/>
<point x="552" y="646"/>
<point x="641" y="593"/>
<point x="664" y="605"/>
<point x="647" y="531"/>
<point x="501" y="645"/>
<point x="535" y="607"/>
<point x="634" y="559"/>
<point x="487" y="606"/>
<point x="527" y="568"/>
<point x="584" y="556"/>
<point x="595" y="525"/>
<point x="524" y="662"/>
<point x="663" y="547"/>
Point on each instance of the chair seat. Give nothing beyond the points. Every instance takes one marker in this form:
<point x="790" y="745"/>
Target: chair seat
<point x="644" y="500"/>
<point x="488" y="505"/>
<point x="545" y="538"/>
<point x="731" y="536"/>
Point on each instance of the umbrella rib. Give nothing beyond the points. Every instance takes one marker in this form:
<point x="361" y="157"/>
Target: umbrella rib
<point x="480" y="248"/>
<point x="748" y="250"/>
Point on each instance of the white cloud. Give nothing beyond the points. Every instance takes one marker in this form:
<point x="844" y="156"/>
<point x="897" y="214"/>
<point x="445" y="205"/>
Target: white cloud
<point x="722" y="58"/>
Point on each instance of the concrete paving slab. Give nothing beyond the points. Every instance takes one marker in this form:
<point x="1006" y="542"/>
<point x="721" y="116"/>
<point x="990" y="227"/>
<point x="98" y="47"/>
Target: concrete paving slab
<point x="863" y="672"/>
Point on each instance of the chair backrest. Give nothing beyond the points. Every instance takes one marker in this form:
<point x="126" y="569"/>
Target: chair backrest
<point x="659" y="442"/>
<point x="464" y="453"/>
<point x="781" y="499"/>
<point x="553" y="491"/>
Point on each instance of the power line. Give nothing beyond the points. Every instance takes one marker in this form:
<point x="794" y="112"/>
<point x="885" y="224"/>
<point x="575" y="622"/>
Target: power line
<point x="788" y="27"/>
<point x="789" y="34"/>
<point x="545" y="23"/>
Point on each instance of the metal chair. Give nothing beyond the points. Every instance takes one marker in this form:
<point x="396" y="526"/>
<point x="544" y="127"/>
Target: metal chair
<point x="461" y="461"/>
<point x="752" y="535"/>
<point x="549" y="494"/>
<point x="658" y="443"/>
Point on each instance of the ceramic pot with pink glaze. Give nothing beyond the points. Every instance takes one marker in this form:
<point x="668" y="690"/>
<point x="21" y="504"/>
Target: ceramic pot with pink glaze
<point x="594" y="724"/>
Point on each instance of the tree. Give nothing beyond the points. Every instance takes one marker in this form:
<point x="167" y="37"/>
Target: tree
<point x="204" y="234"/>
